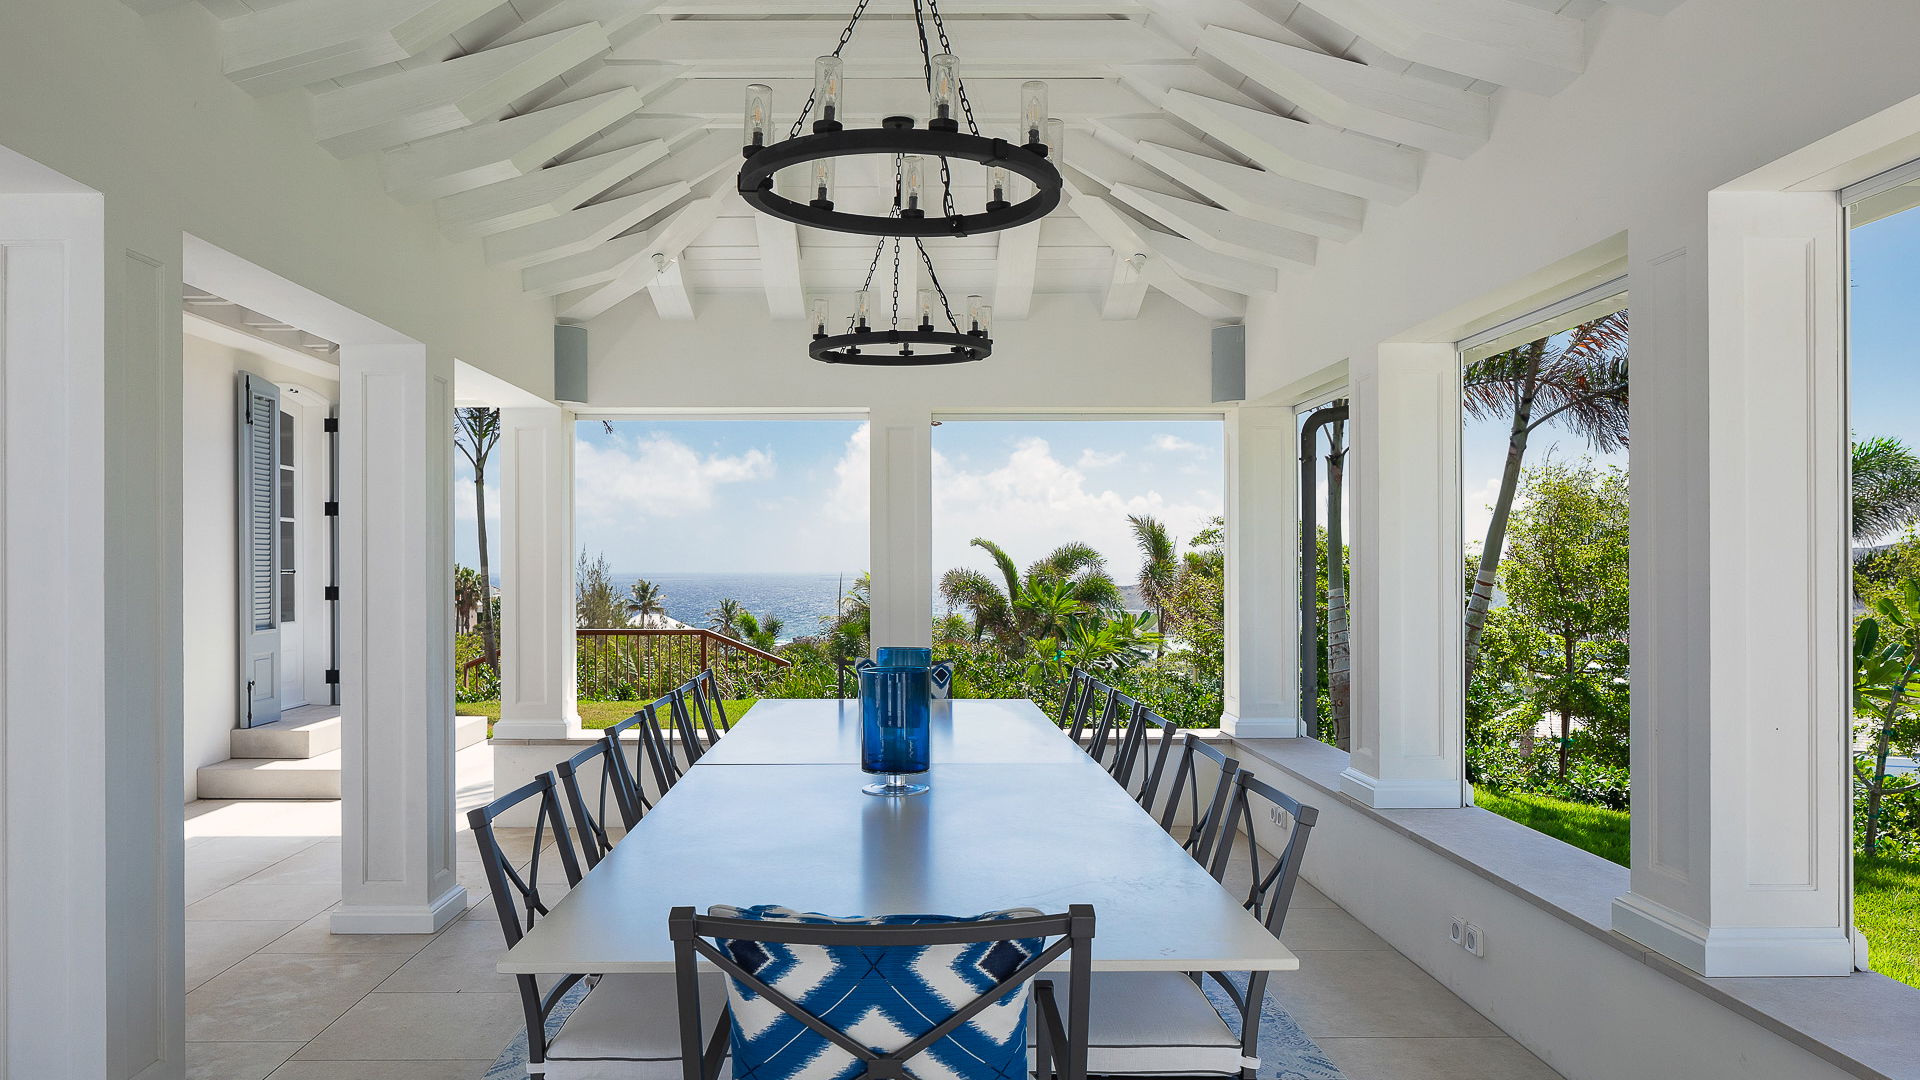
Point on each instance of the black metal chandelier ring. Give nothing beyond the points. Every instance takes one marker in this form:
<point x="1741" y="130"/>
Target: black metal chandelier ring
<point x="756" y="180"/>
<point x="850" y="348"/>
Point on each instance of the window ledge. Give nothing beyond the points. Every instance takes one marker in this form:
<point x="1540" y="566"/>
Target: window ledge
<point x="1850" y="1022"/>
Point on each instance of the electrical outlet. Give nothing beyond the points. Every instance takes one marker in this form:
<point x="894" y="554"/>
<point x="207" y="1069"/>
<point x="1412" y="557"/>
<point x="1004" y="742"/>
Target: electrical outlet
<point x="1458" y="932"/>
<point x="1280" y="817"/>
<point x="1475" y="941"/>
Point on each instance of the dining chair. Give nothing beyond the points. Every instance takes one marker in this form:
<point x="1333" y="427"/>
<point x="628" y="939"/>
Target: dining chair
<point x="1090" y="708"/>
<point x="624" y="1024"/>
<point x="1204" y="821"/>
<point x="681" y="716"/>
<point x="590" y="822"/>
<point x="1163" y="1023"/>
<point x="706" y="695"/>
<point x="1148" y="761"/>
<point x="1115" y="729"/>
<point x="652" y="747"/>
<point x="815" y="995"/>
<point x="1070" y="700"/>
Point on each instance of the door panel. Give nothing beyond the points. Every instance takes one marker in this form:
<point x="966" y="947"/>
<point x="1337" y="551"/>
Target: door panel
<point x="259" y="550"/>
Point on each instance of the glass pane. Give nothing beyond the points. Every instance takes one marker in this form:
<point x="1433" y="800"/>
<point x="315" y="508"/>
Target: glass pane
<point x="286" y="546"/>
<point x="286" y="596"/>
<point x="286" y="440"/>
<point x="286" y="495"/>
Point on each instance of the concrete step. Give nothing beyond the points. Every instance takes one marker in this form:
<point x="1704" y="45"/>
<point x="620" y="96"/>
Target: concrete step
<point x="306" y="732"/>
<point x="314" y="777"/>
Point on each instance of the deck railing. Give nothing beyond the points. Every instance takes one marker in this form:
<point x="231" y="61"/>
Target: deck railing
<point x="642" y="664"/>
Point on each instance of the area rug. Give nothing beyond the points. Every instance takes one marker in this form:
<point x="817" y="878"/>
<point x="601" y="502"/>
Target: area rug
<point x="1285" y="1051"/>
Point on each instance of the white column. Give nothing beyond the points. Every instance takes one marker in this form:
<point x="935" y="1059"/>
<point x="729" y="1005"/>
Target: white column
<point x="1261" y="697"/>
<point x="1408" y="728"/>
<point x="396" y="642"/>
<point x="901" y="520"/>
<point x="537" y="675"/>
<point x="1741" y="832"/>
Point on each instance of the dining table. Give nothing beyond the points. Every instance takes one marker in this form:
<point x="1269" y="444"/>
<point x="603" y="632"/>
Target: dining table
<point x="1017" y="815"/>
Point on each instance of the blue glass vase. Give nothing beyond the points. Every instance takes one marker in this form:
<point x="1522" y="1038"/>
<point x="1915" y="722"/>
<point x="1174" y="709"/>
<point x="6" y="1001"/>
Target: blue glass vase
<point x="903" y="656"/>
<point x="896" y="728"/>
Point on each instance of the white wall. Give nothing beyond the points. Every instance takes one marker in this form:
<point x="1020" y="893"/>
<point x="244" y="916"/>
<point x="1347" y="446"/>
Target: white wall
<point x="207" y="505"/>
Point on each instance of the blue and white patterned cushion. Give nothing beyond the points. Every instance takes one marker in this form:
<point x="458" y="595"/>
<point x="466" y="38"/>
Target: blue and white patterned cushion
<point x="941" y="676"/>
<point x="885" y="997"/>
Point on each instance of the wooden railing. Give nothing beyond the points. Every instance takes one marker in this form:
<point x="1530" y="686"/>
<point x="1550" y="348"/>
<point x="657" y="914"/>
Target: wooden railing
<point x="640" y="665"/>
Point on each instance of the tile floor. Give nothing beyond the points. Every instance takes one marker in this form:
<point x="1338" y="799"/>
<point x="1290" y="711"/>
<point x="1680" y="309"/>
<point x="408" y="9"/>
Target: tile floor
<point x="272" y="995"/>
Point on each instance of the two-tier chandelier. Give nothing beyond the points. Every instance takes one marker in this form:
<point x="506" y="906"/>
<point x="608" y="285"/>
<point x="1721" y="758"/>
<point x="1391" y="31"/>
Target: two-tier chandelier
<point x="911" y="216"/>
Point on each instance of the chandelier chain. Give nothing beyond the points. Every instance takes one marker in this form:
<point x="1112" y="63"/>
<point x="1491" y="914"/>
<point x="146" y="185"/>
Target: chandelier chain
<point x="846" y="35"/>
<point x="960" y="85"/>
<point x="934" y="277"/>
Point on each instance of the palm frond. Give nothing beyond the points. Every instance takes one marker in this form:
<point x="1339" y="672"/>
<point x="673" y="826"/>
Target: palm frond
<point x="1886" y="487"/>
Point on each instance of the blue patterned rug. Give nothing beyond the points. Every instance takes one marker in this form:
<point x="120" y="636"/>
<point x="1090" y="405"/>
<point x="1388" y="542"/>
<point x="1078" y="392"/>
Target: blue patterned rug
<point x="1285" y="1051"/>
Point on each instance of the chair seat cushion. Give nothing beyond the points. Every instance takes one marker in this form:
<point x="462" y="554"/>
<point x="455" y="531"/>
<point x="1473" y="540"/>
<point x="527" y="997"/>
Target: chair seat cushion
<point x="628" y="1028"/>
<point x="884" y="997"/>
<point x="1152" y="1023"/>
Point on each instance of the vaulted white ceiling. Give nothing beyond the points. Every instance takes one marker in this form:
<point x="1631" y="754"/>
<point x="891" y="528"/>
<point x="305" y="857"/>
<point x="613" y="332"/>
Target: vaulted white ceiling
<point x="591" y="145"/>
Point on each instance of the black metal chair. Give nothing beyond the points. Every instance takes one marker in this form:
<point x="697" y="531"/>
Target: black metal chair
<point x="651" y="750"/>
<point x="677" y="707"/>
<point x="624" y="1022"/>
<point x="1071" y="699"/>
<point x="1115" y="729"/>
<point x="590" y="822"/>
<point x="1090" y="709"/>
<point x="1060" y="1047"/>
<point x="1163" y="1023"/>
<point x="1146" y="762"/>
<point x="706" y="693"/>
<point x="1187" y="784"/>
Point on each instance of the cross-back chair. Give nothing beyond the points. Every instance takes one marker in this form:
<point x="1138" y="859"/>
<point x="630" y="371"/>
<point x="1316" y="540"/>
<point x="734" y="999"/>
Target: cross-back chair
<point x="652" y="752"/>
<point x="1071" y="699"/>
<point x="1090" y="709"/>
<point x="681" y="711"/>
<point x="1115" y="730"/>
<point x="1146" y="764"/>
<point x="706" y="696"/>
<point x="1205" y="814"/>
<point x="592" y="819"/>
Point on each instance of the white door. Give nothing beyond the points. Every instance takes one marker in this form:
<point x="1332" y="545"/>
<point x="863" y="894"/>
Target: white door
<point x="294" y="557"/>
<point x="259" y="550"/>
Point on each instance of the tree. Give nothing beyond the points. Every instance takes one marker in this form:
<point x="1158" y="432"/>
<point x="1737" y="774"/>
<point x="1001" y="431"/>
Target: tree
<point x="1071" y="581"/>
<point x="761" y="633"/>
<point x="476" y="432"/>
<point x="1886" y="488"/>
<point x="470" y="596"/>
<point x="1567" y="572"/>
<point x="596" y="605"/>
<point x="648" y="601"/>
<point x="1580" y="384"/>
<point x="1886" y="678"/>
<point x="724" y="618"/>
<point x="1159" y="563"/>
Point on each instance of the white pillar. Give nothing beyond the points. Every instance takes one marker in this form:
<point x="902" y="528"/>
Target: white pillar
<point x="537" y="676"/>
<point x="1261" y="696"/>
<point x="901" y="520"/>
<point x="396" y="642"/>
<point x="1408" y="728"/>
<point x="1741" y="830"/>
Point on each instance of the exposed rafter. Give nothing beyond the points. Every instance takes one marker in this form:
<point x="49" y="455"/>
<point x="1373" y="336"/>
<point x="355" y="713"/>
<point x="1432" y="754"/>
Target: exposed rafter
<point x="598" y="294"/>
<point x="1263" y="196"/>
<point x="1501" y="41"/>
<point x="1222" y="231"/>
<point x="1399" y="107"/>
<point x="1016" y="262"/>
<point x="1128" y="238"/>
<point x="1315" y="153"/>
<point x="537" y="196"/>
<point x="307" y="41"/>
<point x="500" y="150"/>
<point x="669" y="291"/>
<point x="780" y="266"/>
<point x="579" y="230"/>
<point x="762" y="48"/>
<point x="1126" y="289"/>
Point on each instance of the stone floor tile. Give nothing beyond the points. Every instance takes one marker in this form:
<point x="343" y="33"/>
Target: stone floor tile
<point x="1379" y="994"/>
<point x="424" y="1027"/>
<point x="315" y="937"/>
<point x="315" y="865"/>
<point x="282" y="998"/>
<point x="214" y="946"/>
<point x="1327" y="929"/>
<point x="383" y="1070"/>
<point x="250" y="901"/>
<point x="462" y="958"/>
<point x="1492" y="1058"/>
<point x="236" y="1060"/>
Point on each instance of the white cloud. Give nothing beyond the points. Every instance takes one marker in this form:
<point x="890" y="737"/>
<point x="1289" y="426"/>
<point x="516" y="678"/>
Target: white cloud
<point x="1478" y="511"/>
<point x="1174" y="444"/>
<point x="1094" y="459"/>
<point x="656" y="476"/>
<point x="1034" y="502"/>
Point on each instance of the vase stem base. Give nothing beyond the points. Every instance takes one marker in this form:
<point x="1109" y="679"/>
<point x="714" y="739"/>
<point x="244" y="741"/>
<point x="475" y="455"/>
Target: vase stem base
<point x="895" y="786"/>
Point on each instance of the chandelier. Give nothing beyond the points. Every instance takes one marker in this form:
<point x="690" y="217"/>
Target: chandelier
<point x="897" y="136"/>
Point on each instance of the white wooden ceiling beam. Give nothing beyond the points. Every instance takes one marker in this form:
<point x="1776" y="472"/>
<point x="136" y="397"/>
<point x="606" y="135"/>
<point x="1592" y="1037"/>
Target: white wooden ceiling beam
<point x="698" y="161"/>
<point x="1262" y="196"/>
<point x="671" y="297"/>
<point x="996" y="101"/>
<point x="761" y="49"/>
<point x="1107" y="166"/>
<point x="417" y="102"/>
<point x="1501" y="41"/>
<point x="621" y="19"/>
<point x="1393" y="106"/>
<point x="309" y="41"/>
<point x="1016" y="264"/>
<point x="1128" y="238"/>
<point x="500" y="150"/>
<point x="1126" y="289"/>
<point x="839" y="8"/>
<point x="578" y="230"/>
<point x="1223" y="231"/>
<point x="540" y="195"/>
<point x="779" y="245"/>
<point x="1314" y="153"/>
<point x="597" y="288"/>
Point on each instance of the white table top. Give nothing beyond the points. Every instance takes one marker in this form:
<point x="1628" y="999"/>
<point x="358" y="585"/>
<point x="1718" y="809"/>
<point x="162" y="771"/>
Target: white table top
<point x="827" y="732"/>
<point x="989" y="835"/>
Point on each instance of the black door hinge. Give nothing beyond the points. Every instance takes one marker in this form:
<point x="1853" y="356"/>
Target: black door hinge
<point x="332" y="509"/>
<point x="333" y="676"/>
<point x="332" y="592"/>
<point x="331" y="425"/>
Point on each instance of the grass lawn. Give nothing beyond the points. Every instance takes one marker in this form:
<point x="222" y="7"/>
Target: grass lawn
<point x="1886" y="892"/>
<point x="595" y="714"/>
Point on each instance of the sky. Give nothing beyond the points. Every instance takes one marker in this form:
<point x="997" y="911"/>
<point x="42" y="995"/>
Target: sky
<point x="1884" y="283"/>
<point x="705" y="496"/>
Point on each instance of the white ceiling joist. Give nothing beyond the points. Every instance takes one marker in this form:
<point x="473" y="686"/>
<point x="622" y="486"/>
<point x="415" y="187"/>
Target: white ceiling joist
<point x="417" y="102"/>
<point x="1028" y="48"/>
<point x="540" y="195"/>
<point x="1107" y="167"/>
<point x="499" y="150"/>
<point x="1016" y="261"/>
<point x="1128" y="238"/>
<point x="839" y="8"/>
<point x="578" y="230"/>
<point x="662" y="246"/>
<point x="1204" y="267"/>
<point x="621" y="19"/>
<point x="1501" y="41"/>
<point x="636" y="129"/>
<point x="779" y="243"/>
<point x="695" y="162"/>
<point x="1126" y="290"/>
<point x="309" y="41"/>
<point x="1263" y="196"/>
<point x="996" y="101"/>
<point x="671" y="299"/>
<point x="1222" y="230"/>
<point x="1329" y="157"/>
<point x="1398" y="107"/>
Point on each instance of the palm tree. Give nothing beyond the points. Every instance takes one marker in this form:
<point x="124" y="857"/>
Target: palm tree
<point x="1159" y="563"/>
<point x="762" y="634"/>
<point x="724" y="618"/>
<point x="1069" y="582"/>
<point x="1581" y="385"/>
<point x="476" y="432"/>
<point x="470" y="594"/>
<point x="1886" y="488"/>
<point x="647" y="600"/>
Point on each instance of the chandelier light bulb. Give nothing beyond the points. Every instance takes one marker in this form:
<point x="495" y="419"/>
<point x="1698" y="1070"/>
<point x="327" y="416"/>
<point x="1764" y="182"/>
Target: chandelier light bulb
<point x="822" y="314"/>
<point x="944" y="93"/>
<point x="1033" y="112"/>
<point x="913" y="185"/>
<point x="759" y="116"/>
<point x="1056" y="137"/>
<point x="828" y="83"/>
<point x="926" y="309"/>
<point x="863" y="309"/>
<point x="823" y="183"/>
<point x="997" y="182"/>
<point x="979" y="315"/>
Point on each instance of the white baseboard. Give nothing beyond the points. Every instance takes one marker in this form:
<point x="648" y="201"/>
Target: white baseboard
<point x="1260" y="727"/>
<point x="1404" y="794"/>
<point x="399" y="918"/>
<point x="1733" y="951"/>
<point x="544" y="727"/>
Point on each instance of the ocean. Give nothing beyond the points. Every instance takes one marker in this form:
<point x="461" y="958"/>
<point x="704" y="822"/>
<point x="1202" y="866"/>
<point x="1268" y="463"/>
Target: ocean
<point x="800" y="601"/>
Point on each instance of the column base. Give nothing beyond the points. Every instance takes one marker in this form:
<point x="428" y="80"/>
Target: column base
<point x="1733" y="951"/>
<point x="1405" y="794"/>
<point x="538" y="727"/>
<point x="400" y="918"/>
<point x="1261" y="727"/>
